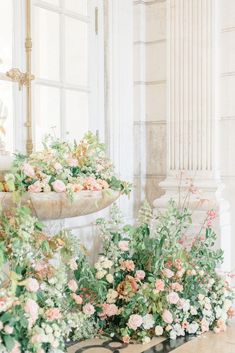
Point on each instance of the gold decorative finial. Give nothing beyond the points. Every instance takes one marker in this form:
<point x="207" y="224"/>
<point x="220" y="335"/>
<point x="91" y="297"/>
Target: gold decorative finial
<point x="23" y="79"/>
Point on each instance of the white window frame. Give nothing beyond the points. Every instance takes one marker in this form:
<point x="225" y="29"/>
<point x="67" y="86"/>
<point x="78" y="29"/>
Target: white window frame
<point x="95" y="86"/>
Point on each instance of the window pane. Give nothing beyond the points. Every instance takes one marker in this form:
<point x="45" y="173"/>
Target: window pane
<point x="79" y="6"/>
<point x="76" y="118"/>
<point x="46" y="113"/>
<point x="6" y="114"/>
<point x="76" y="58"/>
<point x="46" y="51"/>
<point x="6" y="35"/>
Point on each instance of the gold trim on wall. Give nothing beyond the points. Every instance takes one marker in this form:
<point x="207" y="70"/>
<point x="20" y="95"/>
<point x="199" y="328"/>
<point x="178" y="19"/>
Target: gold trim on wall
<point x="25" y="79"/>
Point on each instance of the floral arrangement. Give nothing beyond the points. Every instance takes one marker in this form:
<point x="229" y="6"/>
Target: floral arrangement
<point x="39" y="310"/>
<point x="64" y="167"/>
<point x="148" y="281"/>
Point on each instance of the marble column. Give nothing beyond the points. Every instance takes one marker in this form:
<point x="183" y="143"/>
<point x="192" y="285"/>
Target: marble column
<point x="191" y="121"/>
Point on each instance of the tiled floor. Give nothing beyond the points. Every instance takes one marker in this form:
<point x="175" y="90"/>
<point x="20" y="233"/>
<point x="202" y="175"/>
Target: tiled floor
<point x="207" y="343"/>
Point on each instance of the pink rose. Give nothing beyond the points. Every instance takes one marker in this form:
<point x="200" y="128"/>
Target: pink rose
<point x="35" y="187"/>
<point x="53" y="314"/>
<point x="159" y="285"/>
<point x="167" y="316"/>
<point x="128" y="265"/>
<point x="140" y="275"/>
<point x="135" y="321"/>
<point x="88" y="309"/>
<point x="168" y="273"/>
<point x="31" y="308"/>
<point x="123" y="245"/>
<point x="173" y="298"/>
<point x="28" y="170"/>
<point x="59" y="186"/>
<point x="211" y="214"/>
<point x="177" y="287"/>
<point x="109" y="310"/>
<point x="32" y="285"/>
<point x="73" y="285"/>
<point x="77" y="298"/>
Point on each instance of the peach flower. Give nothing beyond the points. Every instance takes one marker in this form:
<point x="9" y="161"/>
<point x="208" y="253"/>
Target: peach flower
<point x="53" y="314"/>
<point x="109" y="310"/>
<point x="128" y="265"/>
<point x="35" y="187"/>
<point x="159" y="285"/>
<point x="177" y="287"/>
<point x="126" y="339"/>
<point x="77" y="298"/>
<point x="168" y="273"/>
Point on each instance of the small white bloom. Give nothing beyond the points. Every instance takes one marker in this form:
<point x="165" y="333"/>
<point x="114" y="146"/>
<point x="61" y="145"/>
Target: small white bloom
<point x="173" y="335"/>
<point x="146" y="340"/>
<point x="109" y="278"/>
<point x="101" y="274"/>
<point x="158" y="331"/>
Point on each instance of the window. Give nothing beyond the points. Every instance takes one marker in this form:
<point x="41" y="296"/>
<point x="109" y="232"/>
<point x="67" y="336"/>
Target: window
<point x="67" y="61"/>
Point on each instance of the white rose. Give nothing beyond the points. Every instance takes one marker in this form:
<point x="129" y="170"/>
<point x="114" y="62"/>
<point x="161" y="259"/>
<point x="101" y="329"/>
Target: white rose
<point x="158" y="331"/>
<point x="146" y="340"/>
<point x="148" y="321"/>
<point x="193" y="327"/>
<point x="193" y="310"/>
<point x="173" y="335"/>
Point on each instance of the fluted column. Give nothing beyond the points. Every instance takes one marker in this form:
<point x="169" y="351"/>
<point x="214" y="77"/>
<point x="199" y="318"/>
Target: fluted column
<point x="190" y="100"/>
<point x="192" y="139"/>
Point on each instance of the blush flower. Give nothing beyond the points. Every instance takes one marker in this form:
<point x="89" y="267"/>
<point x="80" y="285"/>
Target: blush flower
<point x="109" y="310"/>
<point x="32" y="285"/>
<point x="58" y="186"/>
<point x="31" y="308"/>
<point x="73" y="285"/>
<point x="173" y="298"/>
<point x="134" y="322"/>
<point x="28" y="170"/>
<point x="123" y="245"/>
<point x="88" y="309"/>
<point x="167" y="316"/>
<point x="168" y="273"/>
<point x="140" y="275"/>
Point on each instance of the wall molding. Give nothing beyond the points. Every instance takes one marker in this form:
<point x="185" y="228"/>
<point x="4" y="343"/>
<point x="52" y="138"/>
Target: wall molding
<point x="151" y="122"/>
<point x="148" y="3"/>
<point x="151" y="42"/>
<point x="227" y="29"/>
<point x="150" y="83"/>
<point x="227" y="74"/>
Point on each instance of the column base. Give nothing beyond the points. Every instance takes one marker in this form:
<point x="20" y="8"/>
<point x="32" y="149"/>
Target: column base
<point x="210" y="197"/>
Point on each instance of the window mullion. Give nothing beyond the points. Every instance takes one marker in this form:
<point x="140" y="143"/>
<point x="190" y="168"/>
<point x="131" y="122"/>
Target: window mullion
<point x="62" y="72"/>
